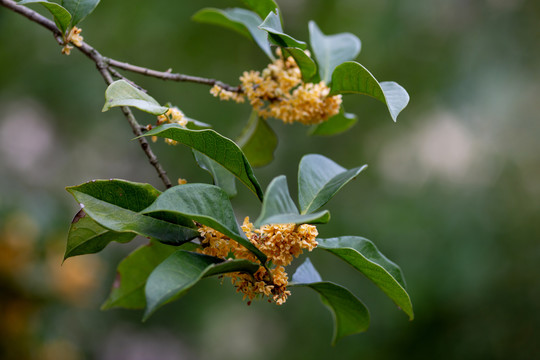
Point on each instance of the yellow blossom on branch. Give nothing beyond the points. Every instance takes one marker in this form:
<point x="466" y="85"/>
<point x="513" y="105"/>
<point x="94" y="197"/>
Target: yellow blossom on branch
<point x="279" y="242"/>
<point x="74" y="37"/>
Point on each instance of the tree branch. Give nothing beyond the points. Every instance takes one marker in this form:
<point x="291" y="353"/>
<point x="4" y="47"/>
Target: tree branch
<point x="103" y="69"/>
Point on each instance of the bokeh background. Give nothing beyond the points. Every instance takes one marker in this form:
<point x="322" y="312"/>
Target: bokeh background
<point x="452" y="191"/>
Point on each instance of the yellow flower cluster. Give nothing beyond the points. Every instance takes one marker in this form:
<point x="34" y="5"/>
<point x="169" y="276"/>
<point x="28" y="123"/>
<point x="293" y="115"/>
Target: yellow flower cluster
<point x="172" y="116"/>
<point x="280" y="243"/>
<point x="279" y="92"/>
<point x="74" y="37"/>
<point x="223" y="94"/>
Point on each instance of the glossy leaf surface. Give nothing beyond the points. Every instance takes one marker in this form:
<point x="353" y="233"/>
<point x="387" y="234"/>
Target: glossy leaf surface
<point x="307" y="66"/>
<point x="222" y="177"/>
<point x="131" y="275"/>
<point x="217" y="147"/>
<point x="122" y="93"/>
<point x="80" y="9"/>
<point x="181" y="271"/>
<point x="279" y="208"/>
<point x="319" y="179"/>
<point x="61" y="15"/>
<point x="243" y="21"/>
<point x="258" y="141"/>
<point x="88" y="237"/>
<point x="364" y="256"/>
<point x="272" y="24"/>
<point x="352" y="78"/>
<point x="350" y="314"/>
<point x="332" y="50"/>
<point x="206" y="204"/>
<point x="115" y="205"/>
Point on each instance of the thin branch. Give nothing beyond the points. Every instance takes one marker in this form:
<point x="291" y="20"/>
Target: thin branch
<point x="168" y="75"/>
<point x="104" y="70"/>
<point x="117" y="75"/>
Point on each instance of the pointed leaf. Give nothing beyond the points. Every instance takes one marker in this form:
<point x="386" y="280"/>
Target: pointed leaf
<point x="206" y="204"/>
<point x="364" y="256"/>
<point x="115" y="205"/>
<point x="261" y="7"/>
<point x="222" y="177"/>
<point x="80" y="9"/>
<point x="319" y="179"/>
<point x="258" y="141"/>
<point x="272" y="24"/>
<point x="332" y="50"/>
<point x="350" y="315"/>
<point x="307" y="66"/>
<point x="217" y="147"/>
<point x="122" y="93"/>
<point x="88" y="237"/>
<point x="242" y="21"/>
<point x="131" y="275"/>
<point x="62" y="17"/>
<point x="335" y="125"/>
<point x="181" y="271"/>
<point x="352" y="78"/>
<point x="279" y="208"/>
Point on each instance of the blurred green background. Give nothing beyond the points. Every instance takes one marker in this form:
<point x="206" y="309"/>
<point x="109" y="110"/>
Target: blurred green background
<point x="452" y="191"/>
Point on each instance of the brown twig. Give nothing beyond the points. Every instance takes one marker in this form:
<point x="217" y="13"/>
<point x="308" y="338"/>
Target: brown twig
<point x="105" y="72"/>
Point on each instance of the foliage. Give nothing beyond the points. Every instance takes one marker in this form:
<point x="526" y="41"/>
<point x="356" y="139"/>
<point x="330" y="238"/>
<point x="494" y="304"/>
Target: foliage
<point x="192" y="228"/>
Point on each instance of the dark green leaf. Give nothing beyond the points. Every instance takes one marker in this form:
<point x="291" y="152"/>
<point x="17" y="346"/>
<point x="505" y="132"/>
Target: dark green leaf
<point x="196" y="124"/>
<point x="305" y="63"/>
<point x="206" y="204"/>
<point x="132" y="273"/>
<point x="62" y="17"/>
<point x="332" y="50"/>
<point x="88" y="237"/>
<point x="222" y="177"/>
<point x="80" y="9"/>
<point x="217" y="147"/>
<point x="352" y="78"/>
<point x="272" y="24"/>
<point x="115" y="205"/>
<point x="261" y="7"/>
<point x="279" y="208"/>
<point x="258" y="141"/>
<point x="242" y="21"/>
<point x="122" y="93"/>
<point x="181" y="271"/>
<point x="335" y="125"/>
<point x="350" y="314"/>
<point x="366" y="258"/>
<point x="319" y="179"/>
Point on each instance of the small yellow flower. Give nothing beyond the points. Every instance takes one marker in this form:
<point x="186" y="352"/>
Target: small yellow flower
<point x="74" y="37"/>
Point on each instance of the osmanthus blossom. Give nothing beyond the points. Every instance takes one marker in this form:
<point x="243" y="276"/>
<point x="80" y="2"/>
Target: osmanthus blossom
<point x="281" y="243"/>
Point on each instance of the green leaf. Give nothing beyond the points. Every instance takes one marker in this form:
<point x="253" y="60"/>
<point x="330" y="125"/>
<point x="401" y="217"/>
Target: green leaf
<point x="352" y="78"/>
<point x="332" y="50"/>
<point x="319" y="179"/>
<point x="80" y="9"/>
<point x="272" y="24"/>
<point x="243" y="21"/>
<point x="131" y="275"/>
<point x="335" y="125"/>
<point x="279" y="208"/>
<point x="196" y="124"/>
<point x="62" y="17"/>
<point x="261" y="7"/>
<point x="181" y="271"/>
<point x="222" y="177"/>
<point x="350" y="315"/>
<point x="217" y="147"/>
<point x="206" y="204"/>
<point x="258" y="141"/>
<point x="88" y="237"/>
<point x="364" y="256"/>
<point x="307" y="66"/>
<point x="116" y="205"/>
<point x="122" y="93"/>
